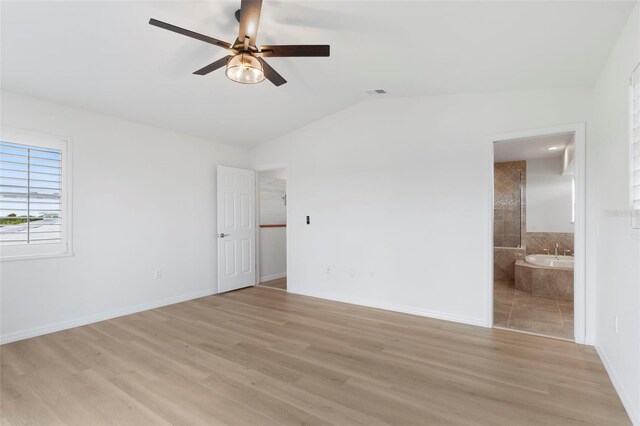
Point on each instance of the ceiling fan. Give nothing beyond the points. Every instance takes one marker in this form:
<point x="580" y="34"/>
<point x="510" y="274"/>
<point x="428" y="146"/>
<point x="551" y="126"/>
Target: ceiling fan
<point x="246" y="65"/>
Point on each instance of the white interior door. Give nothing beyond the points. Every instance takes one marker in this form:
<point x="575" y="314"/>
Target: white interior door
<point x="236" y="228"/>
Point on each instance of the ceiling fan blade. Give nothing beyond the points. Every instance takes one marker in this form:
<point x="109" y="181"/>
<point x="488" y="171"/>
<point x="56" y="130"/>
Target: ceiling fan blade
<point x="213" y="66"/>
<point x="189" y="33"/>
<point x="271" y="74"/>
<point x="249" y="20"/>
<point x="294" y="50"/>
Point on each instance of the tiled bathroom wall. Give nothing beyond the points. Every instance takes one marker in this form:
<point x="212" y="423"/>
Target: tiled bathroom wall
<point x="537" y="242"/>
<point x="508" y="203"/>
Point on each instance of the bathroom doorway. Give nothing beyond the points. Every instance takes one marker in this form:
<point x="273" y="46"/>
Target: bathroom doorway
<point x="538" y="232"/>
<point x="272" y="234"/>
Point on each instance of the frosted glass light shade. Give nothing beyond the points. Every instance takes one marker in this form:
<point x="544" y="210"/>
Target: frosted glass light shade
<point x="245" y="68"/>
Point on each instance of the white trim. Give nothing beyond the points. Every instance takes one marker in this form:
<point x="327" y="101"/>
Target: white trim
<point x="273" y="166"/>
<point x="395" y="308"/>
<point x="627" y="402"/>
<point x="44" y="251"/>
<point x="68" y="253"/>
<point x="489" y="301"/>
<point x="65" y="325"/>
<point x="546" y="336"/>
<point x="635" y="220"/>
<point x="581" y="334"/>
<point x="273" y="277"/>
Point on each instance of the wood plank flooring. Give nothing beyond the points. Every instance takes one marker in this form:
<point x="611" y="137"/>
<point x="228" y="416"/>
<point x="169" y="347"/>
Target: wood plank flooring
<point x="262" y="357"/>
<point x="279" y="283"/>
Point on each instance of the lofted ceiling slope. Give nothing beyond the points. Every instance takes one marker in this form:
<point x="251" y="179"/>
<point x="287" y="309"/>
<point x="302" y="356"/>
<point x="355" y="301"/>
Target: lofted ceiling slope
<point x="103" y="56"/>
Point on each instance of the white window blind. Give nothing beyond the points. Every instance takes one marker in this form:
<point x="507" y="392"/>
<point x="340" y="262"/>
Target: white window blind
<point x="635" y="147"/>
<point x="33" y="199"/>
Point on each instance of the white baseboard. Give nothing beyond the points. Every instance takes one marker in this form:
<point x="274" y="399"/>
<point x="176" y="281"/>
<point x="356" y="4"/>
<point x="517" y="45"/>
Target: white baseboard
<point x="628" y="403"/>
<point x="273" y="277"/>
<point x="64" y="325"/>
<point x="481" y="322"/>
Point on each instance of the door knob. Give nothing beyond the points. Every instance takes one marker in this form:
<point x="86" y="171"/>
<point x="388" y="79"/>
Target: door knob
<point x="223" y="235"/>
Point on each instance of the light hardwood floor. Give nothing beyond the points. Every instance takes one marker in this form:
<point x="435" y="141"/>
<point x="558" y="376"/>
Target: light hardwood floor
<point x="280" y="283"/>
<point x="260" y="357"/>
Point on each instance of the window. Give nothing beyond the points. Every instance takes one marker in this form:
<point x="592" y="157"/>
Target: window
<point x="34" y="196"/>
<point x="635" y="147"/>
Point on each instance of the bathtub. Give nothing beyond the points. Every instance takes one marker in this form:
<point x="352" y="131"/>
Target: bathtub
<point x="545" y="275"/>
<point x="550" y="261"/>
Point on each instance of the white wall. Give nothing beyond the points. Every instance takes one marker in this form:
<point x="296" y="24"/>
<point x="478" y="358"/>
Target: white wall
<point x="272" y="192"/>
<point x="273" y="253"/>
<point x="398" y="191"/>
<point x="273" y="241"/>
<point x="549" y="196"/>
<point x="144" y="200"/>
<point x="617" y="260"/>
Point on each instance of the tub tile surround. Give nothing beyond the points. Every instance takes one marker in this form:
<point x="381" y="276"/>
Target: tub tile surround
<point x="519" y="310"/>
<point x="556" y="283"/>
<point x="504" y="258"/>
<point x="509" y="220"/>
<point x="504" y="262"/>
<point x="536" y="242"/>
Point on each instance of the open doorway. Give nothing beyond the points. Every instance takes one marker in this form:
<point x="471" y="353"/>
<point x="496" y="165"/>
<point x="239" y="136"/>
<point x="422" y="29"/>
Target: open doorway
<point x="272" y="238"/>
<point x="538" y="235"/>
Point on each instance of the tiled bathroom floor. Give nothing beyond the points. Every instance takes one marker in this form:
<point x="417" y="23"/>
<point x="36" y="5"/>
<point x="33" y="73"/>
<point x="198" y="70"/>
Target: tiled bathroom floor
<point x="522" y="311"/>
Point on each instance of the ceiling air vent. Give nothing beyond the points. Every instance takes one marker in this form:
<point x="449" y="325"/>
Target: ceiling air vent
<point x="376" y="92"/>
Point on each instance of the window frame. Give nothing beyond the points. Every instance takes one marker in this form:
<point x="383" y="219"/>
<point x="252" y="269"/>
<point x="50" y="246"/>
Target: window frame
<point x="65" y="247"/>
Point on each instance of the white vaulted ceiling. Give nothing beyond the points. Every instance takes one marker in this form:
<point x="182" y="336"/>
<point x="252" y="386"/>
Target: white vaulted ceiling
<point x="105" y="57"/>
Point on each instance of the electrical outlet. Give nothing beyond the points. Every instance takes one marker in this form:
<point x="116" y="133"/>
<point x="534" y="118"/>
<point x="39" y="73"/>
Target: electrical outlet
<point x="158" y="274"/>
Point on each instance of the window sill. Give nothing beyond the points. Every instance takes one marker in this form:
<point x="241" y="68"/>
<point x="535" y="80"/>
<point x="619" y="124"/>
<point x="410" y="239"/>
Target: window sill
<point x="13" y="258"/>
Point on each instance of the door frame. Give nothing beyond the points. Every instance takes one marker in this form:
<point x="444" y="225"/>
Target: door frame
<point x="268" y="168"/>
<point x="583" y="296"/>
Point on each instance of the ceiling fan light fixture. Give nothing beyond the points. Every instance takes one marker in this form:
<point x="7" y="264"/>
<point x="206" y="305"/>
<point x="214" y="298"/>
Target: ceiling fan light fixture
<point x="245" y="68"/>
<point x="243" y="65"/>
